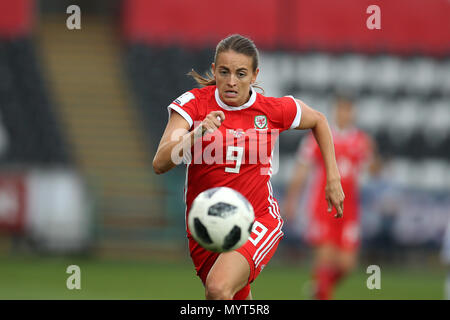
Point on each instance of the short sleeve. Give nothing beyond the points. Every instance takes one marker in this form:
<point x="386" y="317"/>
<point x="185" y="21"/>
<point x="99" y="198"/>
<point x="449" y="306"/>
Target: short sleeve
<point x="308" y="150"/>
<point x="292" y="112"/>
<point x="186" y="106"/>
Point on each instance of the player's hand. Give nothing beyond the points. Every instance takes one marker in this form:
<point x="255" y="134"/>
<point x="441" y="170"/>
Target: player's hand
<point x="212" y="122"/>
<point x="335" y="197"/>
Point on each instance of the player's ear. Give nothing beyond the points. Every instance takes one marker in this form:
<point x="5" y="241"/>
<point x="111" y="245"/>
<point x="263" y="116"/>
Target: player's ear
<point x="254" y="76"/>
<point x="213" y="70"/>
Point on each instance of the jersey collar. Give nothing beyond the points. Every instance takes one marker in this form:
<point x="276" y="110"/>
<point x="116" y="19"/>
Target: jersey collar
<point x="343" y="132"/>
<point x="249" y="103"/>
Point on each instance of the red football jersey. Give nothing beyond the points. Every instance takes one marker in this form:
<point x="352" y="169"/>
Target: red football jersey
<point x="239" y="154"/>
<point x="353" y="150"/>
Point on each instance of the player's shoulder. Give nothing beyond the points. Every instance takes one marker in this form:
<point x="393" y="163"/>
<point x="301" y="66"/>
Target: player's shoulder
<point x="274" y="101"/>
<point x="196" y="94"/>
<point x="203" y="92"/>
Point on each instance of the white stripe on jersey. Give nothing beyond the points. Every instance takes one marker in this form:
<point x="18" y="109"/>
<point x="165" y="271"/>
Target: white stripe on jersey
<point x="185" y="193"/>
<point x="274" y="235"/>
<point x="272" y="213"/>
<point x="298" y="115"/>
<point x="271" y="199"/>
<point x="271" y="244"/>
<point x="182" y="113"/>
<point x="270" y="164"/>
<point x="278" y="228"/>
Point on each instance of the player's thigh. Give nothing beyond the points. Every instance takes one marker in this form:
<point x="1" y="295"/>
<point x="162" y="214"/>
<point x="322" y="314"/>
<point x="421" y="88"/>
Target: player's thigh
<point x="326" y="253"/>
<point x="321" y="231"/>
<point x="324" y="237"/>
<point x="229" y="272"/>
<point x="347" y="259"/>
<point x="350" y="234"/>
<point x="348" y="244"/>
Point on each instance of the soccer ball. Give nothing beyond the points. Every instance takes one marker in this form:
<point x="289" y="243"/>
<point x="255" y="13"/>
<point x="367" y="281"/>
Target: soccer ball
<point x="221" y="219"/>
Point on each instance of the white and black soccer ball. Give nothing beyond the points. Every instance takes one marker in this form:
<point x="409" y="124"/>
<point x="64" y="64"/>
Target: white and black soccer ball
<point x="221" y="219"/>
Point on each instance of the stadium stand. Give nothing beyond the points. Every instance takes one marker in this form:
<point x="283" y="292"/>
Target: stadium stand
<point x="27" y="113"/>
<point x="106" y="133"/>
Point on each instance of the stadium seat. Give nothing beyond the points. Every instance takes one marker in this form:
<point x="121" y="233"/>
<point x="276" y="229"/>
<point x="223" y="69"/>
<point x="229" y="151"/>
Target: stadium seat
<point x="420" y="76"/>
<point x="386" y="74"/>
<point x="416" y="147"/>
<point x="402" y="172"/>
<point x="404" y="117"/>
<point x="372" y="112"/>
<point x="267" y="75"/>
<point x="443" y="77"/>
<point x="444" y="149"/>
<point x="436" y="121"/>
<point x="320" y="102"/>
<point x="349" y="73"/>
<point x="314" y="71"/>
<point x="433" y="175"/>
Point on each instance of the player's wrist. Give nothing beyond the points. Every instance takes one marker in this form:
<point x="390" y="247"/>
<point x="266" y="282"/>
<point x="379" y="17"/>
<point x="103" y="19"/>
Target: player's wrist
<point x="333" y="178"/>
<point x="332" y="173"/>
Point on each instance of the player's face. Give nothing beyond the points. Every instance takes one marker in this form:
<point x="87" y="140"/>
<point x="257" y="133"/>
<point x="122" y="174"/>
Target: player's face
<point x="345" y="114"/>
<point x="234" y="74"/>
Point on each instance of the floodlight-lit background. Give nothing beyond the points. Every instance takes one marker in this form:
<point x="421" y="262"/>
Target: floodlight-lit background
<point x="82" y="112"/>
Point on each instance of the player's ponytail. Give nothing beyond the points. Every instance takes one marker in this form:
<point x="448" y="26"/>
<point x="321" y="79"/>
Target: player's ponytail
<point x="237" y="43"/>
<point x="203" y="81"/>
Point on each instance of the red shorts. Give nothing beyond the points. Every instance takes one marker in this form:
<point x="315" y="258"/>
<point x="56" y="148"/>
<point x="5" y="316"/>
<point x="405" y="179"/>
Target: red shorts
<point x="258" y="250"/>
<point x="344" y="233"/>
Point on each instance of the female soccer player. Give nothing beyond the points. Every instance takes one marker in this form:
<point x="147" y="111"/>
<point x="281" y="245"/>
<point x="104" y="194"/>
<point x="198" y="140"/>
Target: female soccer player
<point x="336" y="242"/>
<point x="223" y="131"/>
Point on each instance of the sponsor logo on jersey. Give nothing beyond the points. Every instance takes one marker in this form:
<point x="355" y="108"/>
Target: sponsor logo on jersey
<point x="261" y="122"/>
<point x="236" y="133"/>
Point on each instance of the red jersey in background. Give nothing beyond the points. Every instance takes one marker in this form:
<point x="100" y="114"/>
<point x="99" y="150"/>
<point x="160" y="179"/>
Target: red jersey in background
<point x="353" y="150"/>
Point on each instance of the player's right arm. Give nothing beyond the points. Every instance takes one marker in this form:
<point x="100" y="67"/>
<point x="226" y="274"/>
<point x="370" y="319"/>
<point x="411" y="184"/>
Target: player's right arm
<point x="177" y="139"/>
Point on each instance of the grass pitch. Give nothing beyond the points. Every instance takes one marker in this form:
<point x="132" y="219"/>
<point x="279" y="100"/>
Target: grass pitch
<point x="45" y="278"/>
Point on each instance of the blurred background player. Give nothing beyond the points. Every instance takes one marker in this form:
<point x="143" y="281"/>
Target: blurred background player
<point x="336" y="242"/>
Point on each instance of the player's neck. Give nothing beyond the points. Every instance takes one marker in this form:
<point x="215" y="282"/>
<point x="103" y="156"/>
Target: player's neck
<point x="251" y="99"/>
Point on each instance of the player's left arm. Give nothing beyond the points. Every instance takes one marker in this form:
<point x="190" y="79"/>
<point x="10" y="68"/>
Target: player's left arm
<point x="317" y="122"/>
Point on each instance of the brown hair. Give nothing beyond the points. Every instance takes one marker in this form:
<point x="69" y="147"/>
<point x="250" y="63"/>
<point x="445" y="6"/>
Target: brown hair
<point x="237" y="43"/>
